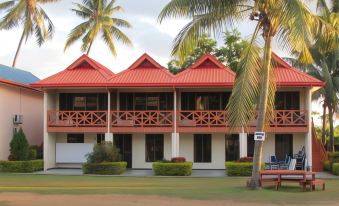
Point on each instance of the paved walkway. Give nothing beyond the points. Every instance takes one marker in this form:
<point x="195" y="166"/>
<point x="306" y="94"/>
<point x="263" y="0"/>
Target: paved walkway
<point x="149" y="173"/>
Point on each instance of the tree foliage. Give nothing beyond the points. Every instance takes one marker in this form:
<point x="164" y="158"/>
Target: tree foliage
<point x="98" y="20"/>
<point x="104" y="152"/>
<point x="19" y="148"/>
<point x="229" y="53"/>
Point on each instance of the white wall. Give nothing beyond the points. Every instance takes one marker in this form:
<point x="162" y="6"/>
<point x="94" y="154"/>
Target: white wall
<point x="138" y="150"/>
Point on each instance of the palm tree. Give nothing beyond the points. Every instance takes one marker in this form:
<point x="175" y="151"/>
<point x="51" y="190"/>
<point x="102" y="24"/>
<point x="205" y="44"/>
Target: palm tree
<point x="98" y="16"/>
<point x="254" y="90"/>
<point x="325" y="68"/>
<point x="31" y="16"/>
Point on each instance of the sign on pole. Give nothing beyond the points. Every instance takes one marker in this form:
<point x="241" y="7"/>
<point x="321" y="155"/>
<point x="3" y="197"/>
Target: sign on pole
<point x="259" y="136"/>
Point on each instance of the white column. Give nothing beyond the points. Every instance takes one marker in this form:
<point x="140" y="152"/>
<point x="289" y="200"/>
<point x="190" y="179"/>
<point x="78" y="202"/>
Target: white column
<point x="242" y="144"/>
<point x="49" y="138"/>
<point x="308" y="140"/>
<point x="109" y="135"/>
<point x="46" y="142"/>
<point x="175" y="135"/>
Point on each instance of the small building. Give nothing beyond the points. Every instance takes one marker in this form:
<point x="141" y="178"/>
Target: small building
<point x="20" y="106"/>
<point x="151" y="114"/>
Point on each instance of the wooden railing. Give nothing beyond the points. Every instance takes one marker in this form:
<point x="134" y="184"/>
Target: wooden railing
<point x="290" y="118"/>
<point x="76" y="118"/>
<point x="202" y="118"/>
<point x="283" y="118"/>
<point x="154" y="118"/>
<point x="142" y="118"/>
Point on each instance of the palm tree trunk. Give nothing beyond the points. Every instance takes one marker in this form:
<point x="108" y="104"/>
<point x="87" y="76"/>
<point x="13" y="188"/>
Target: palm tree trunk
<point x="18" y="49"/>
<point x="89" y="48"/>
<point x="323" y="130"/>
<point x="257" y="156"/>
<point x="330" y="118"/>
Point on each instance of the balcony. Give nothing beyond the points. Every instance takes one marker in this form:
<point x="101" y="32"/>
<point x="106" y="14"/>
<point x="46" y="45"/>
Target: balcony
<point x="142" y="121"/>
<point x="163" y="121"/>
<point x="76" y="121"/>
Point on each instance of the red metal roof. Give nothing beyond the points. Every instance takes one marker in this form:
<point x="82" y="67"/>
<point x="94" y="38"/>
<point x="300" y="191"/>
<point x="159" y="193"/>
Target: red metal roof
<point x="287" y="75"/>
<point x="17" y="84"/>
<point x="144" y="72"/>
<point x="207" y="71"/>
<point x="84" y="72"/>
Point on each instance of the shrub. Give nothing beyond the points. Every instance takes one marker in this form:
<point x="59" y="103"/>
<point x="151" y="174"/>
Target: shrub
<point x="104" y="168"/>
<point x="19" y="146"/>
<point x="178" y="159"/>
<point x="240" y="168"/>
<point x="245" y="159"/>
<point x="21" y="166"/>
<point x="105" y="152"/>
<point x="333" y="157"/>
<point x="172" y="169"/>
<point x="335" y="169"/>
<point x="39" y="150"/>
<point x="32" y="153"/>
<point x="327" y="165"/>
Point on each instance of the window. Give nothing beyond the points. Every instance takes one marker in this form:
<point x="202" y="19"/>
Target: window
<point x="232" y="147"/>
<point x="84" y="101"/>
<point x="287" y="101"/>
<point x="204" y="100"/>
<point x="250" y="145"/>
<point x="154" y="147"/>
<point x="100" y="138"/>
<point x="146" y="101"/>
<point x="283" y="145"/>
<point x="124" y="143"/>
<point x="202" y="147"/>
<point x="75" y="138"/>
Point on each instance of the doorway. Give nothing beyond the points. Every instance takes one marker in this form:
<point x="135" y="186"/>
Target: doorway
<point x="124" y="143"/>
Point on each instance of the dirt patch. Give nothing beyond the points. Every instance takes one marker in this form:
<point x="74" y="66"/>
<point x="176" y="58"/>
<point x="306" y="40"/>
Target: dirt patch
<point x="32" y="199"/>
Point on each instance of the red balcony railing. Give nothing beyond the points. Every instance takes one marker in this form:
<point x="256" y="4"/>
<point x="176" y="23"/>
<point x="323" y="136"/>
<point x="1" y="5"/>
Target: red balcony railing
<point x="77" y="118"/>
<point x="283" y="118"/>
<point x="142" y="118"/>
<point x="202" y="119"/>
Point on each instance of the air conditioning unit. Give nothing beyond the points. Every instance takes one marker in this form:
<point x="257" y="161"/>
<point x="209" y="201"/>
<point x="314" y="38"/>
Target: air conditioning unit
<point x="18" y="119"/>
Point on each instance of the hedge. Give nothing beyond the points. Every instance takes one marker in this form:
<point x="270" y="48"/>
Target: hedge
<point x="327" y="165"/>
<point x="172" y="169"/>
<point x="21" y="166"/>
<point x="104" y="168"/>
<point x="335" y="169"/>
<point x="240" y="168"/>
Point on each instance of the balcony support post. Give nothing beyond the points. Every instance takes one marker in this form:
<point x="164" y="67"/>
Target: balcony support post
<point x="175" y="135"/>
<point x="242" y="143"/>
<point x="109" y="135"/>
<point x="308" y="140"/>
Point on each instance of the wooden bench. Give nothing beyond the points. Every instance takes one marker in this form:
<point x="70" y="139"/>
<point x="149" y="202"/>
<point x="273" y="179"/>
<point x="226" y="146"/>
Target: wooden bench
<point x="313" y="183"/>
<point x="271" y="181"/>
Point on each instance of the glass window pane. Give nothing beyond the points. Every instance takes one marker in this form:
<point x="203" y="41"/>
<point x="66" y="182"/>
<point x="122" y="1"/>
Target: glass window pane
<point x="75" y="138"/>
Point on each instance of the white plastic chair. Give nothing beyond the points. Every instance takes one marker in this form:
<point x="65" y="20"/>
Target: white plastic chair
<point x="292" y="164"/>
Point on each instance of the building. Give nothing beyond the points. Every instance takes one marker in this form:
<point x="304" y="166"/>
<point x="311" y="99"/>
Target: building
<point x="151" y="114"/>
<point x="20" y="106"/>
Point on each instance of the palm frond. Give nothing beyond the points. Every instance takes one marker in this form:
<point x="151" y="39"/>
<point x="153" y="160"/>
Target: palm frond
<point x="108" y="39"/>
<point x="120" y="36"/>
<point x="76" y="33"/>
<point x="241" y="107"/>
<point x="6" y="5"/>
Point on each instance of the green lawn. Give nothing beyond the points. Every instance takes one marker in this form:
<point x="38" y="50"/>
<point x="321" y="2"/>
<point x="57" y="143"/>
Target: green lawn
<point x="191" y="188"/>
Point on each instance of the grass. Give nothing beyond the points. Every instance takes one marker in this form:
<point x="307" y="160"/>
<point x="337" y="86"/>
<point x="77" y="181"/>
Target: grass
<point x="191" y="188"/>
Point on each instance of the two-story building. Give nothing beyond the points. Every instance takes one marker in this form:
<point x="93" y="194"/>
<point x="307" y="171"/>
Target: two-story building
<point x="151" y="114"/>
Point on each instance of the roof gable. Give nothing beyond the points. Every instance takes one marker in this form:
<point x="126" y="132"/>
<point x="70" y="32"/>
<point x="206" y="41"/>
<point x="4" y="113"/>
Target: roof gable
<point x="144" y="72"/>
<point x="207" y="71"/>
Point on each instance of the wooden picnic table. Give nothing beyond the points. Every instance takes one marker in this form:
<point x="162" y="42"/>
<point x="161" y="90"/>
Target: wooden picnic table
<point x="276" y="177"/>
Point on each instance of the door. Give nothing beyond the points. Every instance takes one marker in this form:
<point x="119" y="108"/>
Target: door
<point x="232" y="147"/>
<point x="283" y="145"/>
<point x="124" y="143"/>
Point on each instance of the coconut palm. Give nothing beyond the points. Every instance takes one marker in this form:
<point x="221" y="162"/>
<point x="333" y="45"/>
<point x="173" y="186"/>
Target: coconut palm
<point x="325" y="68"/>
<point x="30" y="15"/>
<point x="98" y="15"/>
<point x="290" y="21"/>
